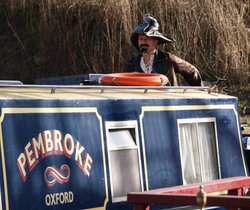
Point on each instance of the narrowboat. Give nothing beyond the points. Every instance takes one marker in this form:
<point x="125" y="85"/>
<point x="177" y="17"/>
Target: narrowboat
<point x="75" y="147"/>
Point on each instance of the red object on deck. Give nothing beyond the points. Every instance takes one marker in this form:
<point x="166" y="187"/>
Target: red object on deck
<point x="134" y="79"/>
<point x="236" y="188"/>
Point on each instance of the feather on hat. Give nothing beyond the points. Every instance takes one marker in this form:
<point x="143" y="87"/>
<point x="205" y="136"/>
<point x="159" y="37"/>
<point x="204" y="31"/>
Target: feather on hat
<point x="149" y="27"/>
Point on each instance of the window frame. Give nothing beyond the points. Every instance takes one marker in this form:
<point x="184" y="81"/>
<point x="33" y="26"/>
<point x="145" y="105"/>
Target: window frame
<point x="196" y="121"/>
<point x="115" y="125"/>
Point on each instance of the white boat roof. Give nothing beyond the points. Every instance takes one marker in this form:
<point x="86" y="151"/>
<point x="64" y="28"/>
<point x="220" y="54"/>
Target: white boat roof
<point x="10" y="91"/>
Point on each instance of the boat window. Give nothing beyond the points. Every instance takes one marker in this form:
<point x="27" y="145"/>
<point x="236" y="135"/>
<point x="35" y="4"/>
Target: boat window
<point x="125" y="139"/>
<point x="198" y="149"/>
<point x="124" y="161"/>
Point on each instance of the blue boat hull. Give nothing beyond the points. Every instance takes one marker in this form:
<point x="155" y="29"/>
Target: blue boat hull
<point x="54" y="152"/>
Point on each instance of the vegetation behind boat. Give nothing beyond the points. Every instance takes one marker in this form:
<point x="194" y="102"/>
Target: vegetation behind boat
<point x="52" y="38"/>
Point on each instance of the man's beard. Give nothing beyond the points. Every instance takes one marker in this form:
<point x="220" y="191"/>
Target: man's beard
<point x="143" y="48"/>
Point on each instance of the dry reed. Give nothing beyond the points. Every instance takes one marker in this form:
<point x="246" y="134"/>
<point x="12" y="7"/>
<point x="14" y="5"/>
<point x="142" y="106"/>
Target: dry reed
<point x="57" y="37"/>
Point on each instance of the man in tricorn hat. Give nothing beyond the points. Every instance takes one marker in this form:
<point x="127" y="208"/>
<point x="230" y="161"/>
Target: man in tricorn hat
<point x="146" y="38"/>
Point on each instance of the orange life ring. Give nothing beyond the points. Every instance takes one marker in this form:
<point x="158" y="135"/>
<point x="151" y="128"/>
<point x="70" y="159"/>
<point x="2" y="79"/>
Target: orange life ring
<point x="134" y="79"/>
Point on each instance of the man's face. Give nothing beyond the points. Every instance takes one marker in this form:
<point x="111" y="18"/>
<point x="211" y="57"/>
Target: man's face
<point x="147" y="44"/>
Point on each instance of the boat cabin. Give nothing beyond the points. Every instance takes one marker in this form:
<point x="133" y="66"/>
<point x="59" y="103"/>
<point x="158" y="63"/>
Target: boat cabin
<point x="86" y="147"/>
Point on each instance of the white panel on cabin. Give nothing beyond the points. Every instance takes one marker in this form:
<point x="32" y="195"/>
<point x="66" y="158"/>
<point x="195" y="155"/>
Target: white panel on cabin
<point x="124" y="159"/>
<point x="120" y="138"/>
<point x="125" y="172"/>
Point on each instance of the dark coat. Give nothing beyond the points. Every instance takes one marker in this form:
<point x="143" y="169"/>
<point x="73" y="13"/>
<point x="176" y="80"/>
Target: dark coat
<point x="168" y="65"/>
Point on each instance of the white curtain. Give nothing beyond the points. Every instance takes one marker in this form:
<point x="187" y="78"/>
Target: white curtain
<point x="189" y="154"/>
<point x="208" y="151"/>
<point x="198" y="152"/>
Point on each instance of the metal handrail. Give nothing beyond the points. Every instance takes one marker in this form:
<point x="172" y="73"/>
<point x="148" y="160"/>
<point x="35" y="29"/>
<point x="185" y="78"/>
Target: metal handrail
<point x="103" y="88"/>
<point x="10" y="82"/>
<point x="236" y="189"/>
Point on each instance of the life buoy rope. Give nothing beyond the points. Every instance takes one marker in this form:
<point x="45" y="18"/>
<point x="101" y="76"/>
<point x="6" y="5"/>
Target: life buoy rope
<point x="134" y="79"/>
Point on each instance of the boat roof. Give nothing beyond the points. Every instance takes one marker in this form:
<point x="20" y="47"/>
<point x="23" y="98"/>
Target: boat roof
<point x="10" y="91"/>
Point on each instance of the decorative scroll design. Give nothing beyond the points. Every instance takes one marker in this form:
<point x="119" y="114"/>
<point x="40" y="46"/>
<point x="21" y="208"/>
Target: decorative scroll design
<point x="53" y="175"/>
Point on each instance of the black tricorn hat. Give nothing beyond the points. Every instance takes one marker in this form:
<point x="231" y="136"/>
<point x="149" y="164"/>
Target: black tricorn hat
<point x="150" y="28"/>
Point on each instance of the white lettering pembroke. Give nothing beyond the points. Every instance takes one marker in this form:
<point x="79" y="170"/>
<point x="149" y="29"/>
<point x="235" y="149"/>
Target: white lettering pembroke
<point x="52" y="142"/>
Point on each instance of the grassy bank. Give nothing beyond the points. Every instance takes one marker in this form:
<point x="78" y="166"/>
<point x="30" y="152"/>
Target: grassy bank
<point x="55" y="37"/>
